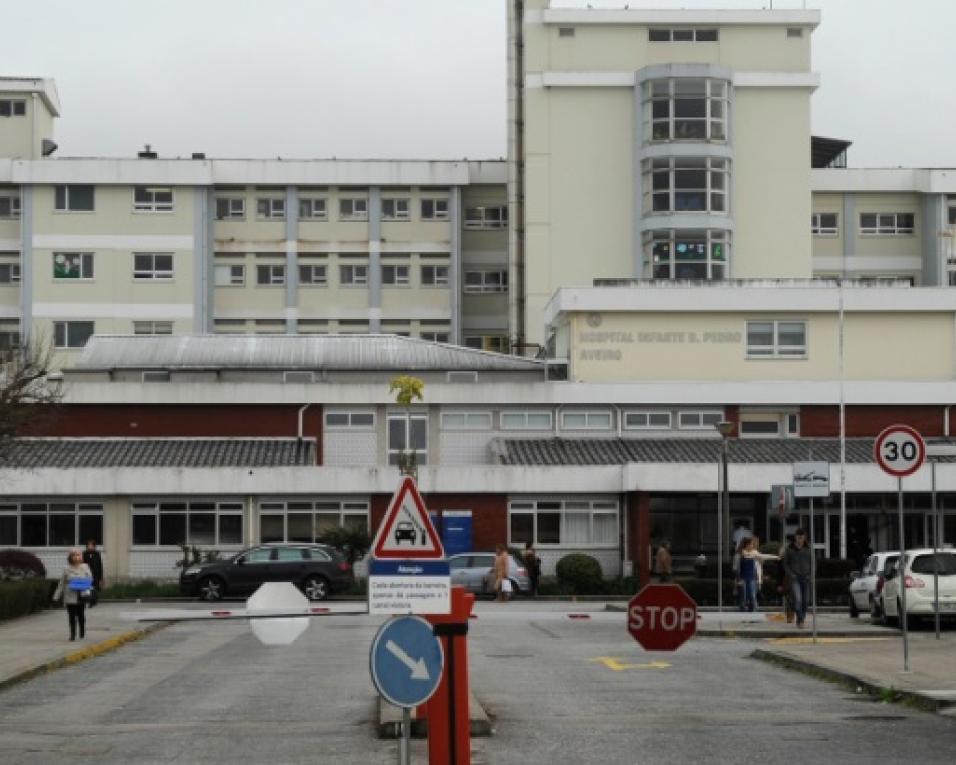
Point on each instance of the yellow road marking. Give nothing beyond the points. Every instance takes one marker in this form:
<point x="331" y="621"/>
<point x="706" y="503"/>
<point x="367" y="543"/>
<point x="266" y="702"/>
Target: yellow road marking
<point x="618" y="666"/>
<point x="802" y="640"/>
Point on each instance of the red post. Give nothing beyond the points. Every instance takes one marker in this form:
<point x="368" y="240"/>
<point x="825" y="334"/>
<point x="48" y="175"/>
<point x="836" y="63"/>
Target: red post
<point x="449" y="723"/>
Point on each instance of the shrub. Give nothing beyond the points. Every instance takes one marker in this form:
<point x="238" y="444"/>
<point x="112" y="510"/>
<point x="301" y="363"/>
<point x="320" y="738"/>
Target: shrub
<point x="141" y="588"/>
<point x="195" y="556"/>
<point x="24" y="597"/>
<point x="20" y="564"/>
<point x="581" y="573"/>
<point x="353" y="543"/>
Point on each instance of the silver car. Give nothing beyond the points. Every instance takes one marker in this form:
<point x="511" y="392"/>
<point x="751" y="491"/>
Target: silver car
<point x="867" y="584"/>
<point x="475" y="571"/>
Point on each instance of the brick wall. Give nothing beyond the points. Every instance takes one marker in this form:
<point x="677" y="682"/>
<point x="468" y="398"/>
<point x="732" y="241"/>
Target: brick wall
<point x="868" y="421"/>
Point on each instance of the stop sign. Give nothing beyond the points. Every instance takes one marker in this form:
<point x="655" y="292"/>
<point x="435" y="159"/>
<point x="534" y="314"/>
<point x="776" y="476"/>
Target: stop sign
<point x="661" y="617"/>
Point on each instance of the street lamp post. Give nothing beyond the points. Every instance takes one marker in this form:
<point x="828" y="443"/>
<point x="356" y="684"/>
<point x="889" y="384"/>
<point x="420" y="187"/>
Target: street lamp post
<point x="723" y="508"/>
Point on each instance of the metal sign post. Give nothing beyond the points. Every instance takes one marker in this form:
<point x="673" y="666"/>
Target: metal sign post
<point x="933" y="453"/>
<point x="900" y="451"/>
<point x="812" y="479"/>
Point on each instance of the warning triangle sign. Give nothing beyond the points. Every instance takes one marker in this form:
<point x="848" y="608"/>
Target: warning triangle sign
<point x="407" y="532"/>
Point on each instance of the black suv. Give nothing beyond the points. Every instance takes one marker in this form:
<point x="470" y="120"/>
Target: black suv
<point x="317" y="570"/>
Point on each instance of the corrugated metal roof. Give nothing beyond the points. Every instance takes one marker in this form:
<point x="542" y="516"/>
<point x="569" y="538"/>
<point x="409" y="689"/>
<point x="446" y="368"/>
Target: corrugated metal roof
<point x="158" y="452"/>
<point x="619" y="451"/>
<point x="314" y="352"/>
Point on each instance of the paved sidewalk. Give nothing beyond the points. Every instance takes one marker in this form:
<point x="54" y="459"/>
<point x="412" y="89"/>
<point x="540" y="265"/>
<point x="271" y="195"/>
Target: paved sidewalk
<point x="40" y="642"/>
<point x="875" y="665"/>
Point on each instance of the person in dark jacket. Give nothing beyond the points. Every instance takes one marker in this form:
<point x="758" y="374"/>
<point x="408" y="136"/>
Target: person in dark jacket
<point x="94" y="560"/>
<point x="797" y="564"/>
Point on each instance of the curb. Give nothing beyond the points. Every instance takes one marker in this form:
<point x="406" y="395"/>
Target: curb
<point x="766" y="634"/>
<point x="911" y="698"/>
<point x="75" y="657"/>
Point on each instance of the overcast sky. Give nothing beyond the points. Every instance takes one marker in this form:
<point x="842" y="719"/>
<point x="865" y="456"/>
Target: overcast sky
<point x="415" y="78"/>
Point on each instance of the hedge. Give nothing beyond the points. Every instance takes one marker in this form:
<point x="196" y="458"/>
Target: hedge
<point x="581" y="574"/>
<point x="24" y="597"/>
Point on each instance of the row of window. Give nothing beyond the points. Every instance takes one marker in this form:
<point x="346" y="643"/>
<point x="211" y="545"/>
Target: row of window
<point x="50" y="524"/>
<point x="685" y="184"/>
<point x="316" y="208"/>
<point x="563" y="522"/>
<point x="686" y="109"/>
<point x="871" y="224"/>
<point x="356" y="275"/>
<point x="687" y="253"/>
<point x="13" y="107"/>
<point x="595" y="419"/>
<point x="79" y="266"/>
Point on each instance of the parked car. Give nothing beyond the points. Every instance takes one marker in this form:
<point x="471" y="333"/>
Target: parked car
<point x="866" y="583"/>
<point x="916" y="574"/>
<point x="317" y="570"/>
<point x="475" y="571"/>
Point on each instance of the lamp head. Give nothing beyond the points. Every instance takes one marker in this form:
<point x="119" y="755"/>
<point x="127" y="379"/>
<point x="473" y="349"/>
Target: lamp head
<point x="724" y="428"/>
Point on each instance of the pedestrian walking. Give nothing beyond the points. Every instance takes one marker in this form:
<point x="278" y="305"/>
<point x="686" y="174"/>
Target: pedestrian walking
<point x="93" y="559"/>
<point x="751" y="571"/>
<point x="502" y="581"/>
<point x="75" y="588"/>
<point x="533" y="565"/>
<point x="797" y="563"/>
<point x="784" y="585"/>
<point x="664" y="562"/>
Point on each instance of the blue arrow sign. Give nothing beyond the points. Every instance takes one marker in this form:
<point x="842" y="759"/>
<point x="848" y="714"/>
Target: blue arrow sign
<point x="406" y="661"/>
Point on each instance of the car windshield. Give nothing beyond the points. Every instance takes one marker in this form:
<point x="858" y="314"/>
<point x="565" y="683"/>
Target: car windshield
<point x="946" y="564"/>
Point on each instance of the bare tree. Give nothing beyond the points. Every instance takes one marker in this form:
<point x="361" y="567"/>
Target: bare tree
<point x="28" y="395"/>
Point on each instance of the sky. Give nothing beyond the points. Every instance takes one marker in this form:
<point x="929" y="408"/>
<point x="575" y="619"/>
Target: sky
<point x="416" y="78"/>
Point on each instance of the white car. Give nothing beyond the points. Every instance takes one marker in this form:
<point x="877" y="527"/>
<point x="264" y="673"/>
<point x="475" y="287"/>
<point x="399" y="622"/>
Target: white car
<point x="916" y="574"/>
<point x="867" y="583"/>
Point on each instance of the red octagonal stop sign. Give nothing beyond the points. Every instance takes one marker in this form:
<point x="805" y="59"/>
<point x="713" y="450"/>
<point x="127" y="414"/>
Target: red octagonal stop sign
<point x="661" y="617"/>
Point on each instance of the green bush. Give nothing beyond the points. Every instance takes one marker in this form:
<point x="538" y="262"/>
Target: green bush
<point x="581" y="574"/>
<point x="142" y="588"/>
<point x="20" y="564"/>
<point x="352" y="542"/>
<point x="24" y="597"/>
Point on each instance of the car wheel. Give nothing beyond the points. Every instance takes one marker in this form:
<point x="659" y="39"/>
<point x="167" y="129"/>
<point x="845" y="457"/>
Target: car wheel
<point x="211" y="588"/>
<point x="854" y="611"/>
<point x="316" y="587"/>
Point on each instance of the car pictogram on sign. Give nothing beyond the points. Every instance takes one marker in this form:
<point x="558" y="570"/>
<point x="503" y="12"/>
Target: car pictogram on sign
<point x="405" y="530"/>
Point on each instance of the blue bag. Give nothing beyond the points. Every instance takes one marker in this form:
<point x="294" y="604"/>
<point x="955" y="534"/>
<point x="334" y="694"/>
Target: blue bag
<point x="80" y="583"/>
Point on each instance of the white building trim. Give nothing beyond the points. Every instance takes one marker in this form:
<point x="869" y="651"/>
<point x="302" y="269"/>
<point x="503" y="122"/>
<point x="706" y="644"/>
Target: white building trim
<point x="871" y="264"/>
<point x="874" y="180"/>
<point x="642" y="17"/>
<point x="777" y="80"/>
<point x="113" y="310"/>
<point x="611" y="79"/>
<point x="142" y="242"/>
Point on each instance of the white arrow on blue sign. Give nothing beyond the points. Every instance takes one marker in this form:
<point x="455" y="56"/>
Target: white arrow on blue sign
<point x="406" y="661"/>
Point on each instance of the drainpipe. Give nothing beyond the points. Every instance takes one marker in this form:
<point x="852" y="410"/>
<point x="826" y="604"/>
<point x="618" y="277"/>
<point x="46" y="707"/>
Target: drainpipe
<point x="301" y="413"/>
<point x="946" y="420"/>
<point x="620" y="421"/>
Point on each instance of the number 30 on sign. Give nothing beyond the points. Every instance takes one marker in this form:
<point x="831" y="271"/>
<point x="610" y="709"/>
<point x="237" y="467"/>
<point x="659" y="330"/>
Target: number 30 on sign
<point x="900" y="450"/>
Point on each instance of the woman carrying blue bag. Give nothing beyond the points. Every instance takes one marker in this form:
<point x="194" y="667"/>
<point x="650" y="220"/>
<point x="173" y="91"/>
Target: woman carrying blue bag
<point x="76" y="590"/>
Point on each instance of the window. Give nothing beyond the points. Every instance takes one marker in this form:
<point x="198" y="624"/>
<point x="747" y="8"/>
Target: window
<point x="434" y="337"/>
<point x="565" y="31"/>
<point x="466" y="421"/>
<point x="586" y="420"/>
<point x="486" y="281"/>
<point x="152" y="199"/>
<point x="313" y="208"/>
<point x="71" y="334"/>
<point x="271" y="275"/>
<point x="9" y="273"/>
<point x="313" y="275"/>
<point x="824" y="224"/>
<point x="177" y="522"/>
<point x="394" y="209"/>
<point x="9" y="203"/>
<point x="72" y="265"/>
<point x="232" y="275"/>
<point x="8" y="342"/>
<point x="647" y="420"/>
<point x="434" y="276"/>
<point x="407" y="433"/>
<point x="568" y="522"/>
<point x="527" y="420"/>
<point x="353" y="209"/>
<point x="362" y="420"/>
<point x="682" y="35"/>
<point x="13" y="107"/>
<point x="698" y="420"/>
<point x="486" y="217"/>
<point x="685" y="184"/>
<point x="435" y="209"/>
<point x="53" y="524"/>
<point x="687" y="254"/>
<point x="270" y="208"/>
<point x="775" y="339"/>
<point x="886" y="224"/>
<point x="230" y="208"/>
<point x="152" y="328"/>
<point x="491" y="343"/>
<point x="395" y="276"/>
<point x="759" y="427"/>
<point x="307" y="520"/>
<point x="685" y="109"/>
<point x="353" y="276"/>
<point x="73" y="198"/>
<point x="152" y="266"/>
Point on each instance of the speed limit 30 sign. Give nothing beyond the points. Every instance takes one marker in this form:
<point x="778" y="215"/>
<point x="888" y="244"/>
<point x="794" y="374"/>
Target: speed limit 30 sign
<point x="899" y="450"/>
